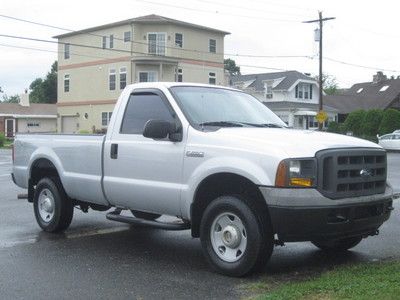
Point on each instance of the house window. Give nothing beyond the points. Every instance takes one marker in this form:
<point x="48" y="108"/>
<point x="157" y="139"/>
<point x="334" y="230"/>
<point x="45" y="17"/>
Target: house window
<point x="179" y="40"/>
<point x="111" y="79"/>
<point x="312" y="122"/>
<point x="212" y="45"/>
<point x="180" y="75"/>
<point x="156" y="43"/>
<point x="111" y="41"/>
<point x="127" y="36"/>
<point x="303" y="91"/>
<point x="105" y="118"/>
<point x="66" y="83"/>
<point x="33" y="124"/>
<point x="211" y="78"/>
<point x="104" y="42"/>
<point x="66" y="51"/>
<point x="268" y="91"/>
<point x="122" y="78"/>
<point x="147" y="76"/>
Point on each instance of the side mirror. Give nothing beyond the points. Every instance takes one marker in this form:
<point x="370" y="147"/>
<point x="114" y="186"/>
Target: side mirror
<point x="160" y="129"/>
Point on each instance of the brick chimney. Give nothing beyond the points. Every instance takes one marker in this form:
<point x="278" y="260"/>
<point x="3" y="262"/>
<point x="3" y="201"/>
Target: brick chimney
<point x="379" y="77"/>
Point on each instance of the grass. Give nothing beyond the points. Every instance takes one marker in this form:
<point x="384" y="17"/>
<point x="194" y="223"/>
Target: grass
<point x="7" y="144"/>
<point x="362" y="281"/>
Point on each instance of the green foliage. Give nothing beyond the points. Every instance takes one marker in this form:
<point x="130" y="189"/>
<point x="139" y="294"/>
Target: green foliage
<point x="231" y="67"/>
<point x="371" y="122"/>
<point x="335" y="127"/>
<point x="329" y="84"/>
<point x="10" y="99"/>
<point x="362" y="281"/>
<point x="390" y="121"/>
<point x="354" y="122"/>
<point x="83" y="131"/>
<point x="2" y="139"/>
<point x="45" y="90"/>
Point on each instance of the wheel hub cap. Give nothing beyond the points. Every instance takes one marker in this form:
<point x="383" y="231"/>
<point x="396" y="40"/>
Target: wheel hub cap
<point x="228" y="237"/>
<point x="46" y="205"/>
<point x="231" y="236"/>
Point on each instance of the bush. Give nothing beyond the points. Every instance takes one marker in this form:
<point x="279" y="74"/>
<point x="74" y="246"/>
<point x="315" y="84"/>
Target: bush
<point x="335" y="127"/>
<point x="83" y="131"/>
<point x="2" y="139"/>
<point x="371" y="122"/>
<point x="390" y="121"/>
<point x="354" y="121"/>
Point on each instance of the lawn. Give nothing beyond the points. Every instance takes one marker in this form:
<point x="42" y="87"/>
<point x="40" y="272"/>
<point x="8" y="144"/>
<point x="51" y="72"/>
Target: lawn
<point x="7" y="143"/>
<point x="379" y="280"/>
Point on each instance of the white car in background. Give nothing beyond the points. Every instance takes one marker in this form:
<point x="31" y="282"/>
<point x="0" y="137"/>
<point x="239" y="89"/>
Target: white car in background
<point x="390" y="141"/>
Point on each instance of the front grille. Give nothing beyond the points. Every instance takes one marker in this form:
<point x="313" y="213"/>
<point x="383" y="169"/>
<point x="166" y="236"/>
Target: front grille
<point x="351" y="172"/>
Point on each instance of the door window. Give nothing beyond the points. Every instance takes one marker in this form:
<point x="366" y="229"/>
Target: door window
<point x="147" y="76"/>
<point x="140" y="109"/>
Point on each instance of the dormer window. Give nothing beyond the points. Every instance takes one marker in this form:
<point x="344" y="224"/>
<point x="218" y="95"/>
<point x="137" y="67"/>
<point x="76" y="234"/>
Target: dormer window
<point x="304" y="91"/>
<point x="359" y="90"/>
<point x="268" y="90"/>
<point x="384" y="88"/>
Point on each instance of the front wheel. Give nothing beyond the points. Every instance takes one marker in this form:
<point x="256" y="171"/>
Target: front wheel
<point x="338" y="245"/>
<point x="53" y="210"/>
<point x="234" y="239"/>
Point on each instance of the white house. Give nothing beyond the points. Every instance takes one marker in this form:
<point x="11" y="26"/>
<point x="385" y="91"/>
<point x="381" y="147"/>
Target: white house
<point x="292" y="95"/>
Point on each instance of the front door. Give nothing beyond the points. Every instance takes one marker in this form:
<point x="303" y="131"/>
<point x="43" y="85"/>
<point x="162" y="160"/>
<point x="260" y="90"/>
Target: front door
<point x="10" y="128"/>
<point x="142" y="173"/>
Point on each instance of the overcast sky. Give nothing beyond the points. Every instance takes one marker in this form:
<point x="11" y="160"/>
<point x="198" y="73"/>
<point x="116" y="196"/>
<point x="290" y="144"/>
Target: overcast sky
<point x="364" y="33"/>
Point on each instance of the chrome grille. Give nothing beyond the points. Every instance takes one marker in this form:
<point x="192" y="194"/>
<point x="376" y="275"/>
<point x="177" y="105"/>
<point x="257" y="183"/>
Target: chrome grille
<point x="351" y="172"/>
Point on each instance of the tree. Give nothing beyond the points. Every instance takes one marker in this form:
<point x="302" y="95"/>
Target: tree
<point x="45" y="90"/>
<point x="371" y="122"/>
<point x="11" y="99"/>
<point x="390" y="121"/>
<point x="329" y="84"/>
<point x="231" y="67"/>
<point x="353" y="122"/>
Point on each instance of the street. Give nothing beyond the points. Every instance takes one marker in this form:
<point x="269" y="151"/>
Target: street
<point x="101" y="259"/>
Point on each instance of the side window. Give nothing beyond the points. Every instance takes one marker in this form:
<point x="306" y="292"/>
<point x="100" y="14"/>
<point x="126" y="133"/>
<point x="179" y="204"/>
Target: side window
<point x="140" y="109"/>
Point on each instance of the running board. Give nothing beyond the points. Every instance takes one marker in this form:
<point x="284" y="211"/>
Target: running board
<point x="116" y="216"/>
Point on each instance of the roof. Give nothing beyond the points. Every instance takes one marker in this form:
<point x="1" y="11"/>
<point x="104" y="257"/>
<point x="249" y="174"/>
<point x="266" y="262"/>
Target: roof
<point x="289" y="79"/>
<point x="37" y="109"/>
<point x="149" y="19"/>
<point x="366" y="95"/>
<point x="277" y="105"/>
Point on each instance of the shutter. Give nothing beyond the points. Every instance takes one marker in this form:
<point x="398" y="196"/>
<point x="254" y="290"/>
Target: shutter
<point x="310" y="91"/>
<point x="297" y="91"/>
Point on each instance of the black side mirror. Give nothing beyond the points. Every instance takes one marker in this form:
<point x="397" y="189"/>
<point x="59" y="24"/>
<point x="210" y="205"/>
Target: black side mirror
<point x="160" y="129"/>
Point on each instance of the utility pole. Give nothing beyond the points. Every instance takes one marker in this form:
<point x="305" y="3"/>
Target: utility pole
<point x="320" y="20"/>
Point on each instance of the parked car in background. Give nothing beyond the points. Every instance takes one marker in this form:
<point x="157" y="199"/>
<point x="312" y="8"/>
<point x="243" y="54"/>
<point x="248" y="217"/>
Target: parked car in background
<point x="390" y="141"/>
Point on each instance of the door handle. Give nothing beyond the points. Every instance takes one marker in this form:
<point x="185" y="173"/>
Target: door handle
<point x="114" y="151"/>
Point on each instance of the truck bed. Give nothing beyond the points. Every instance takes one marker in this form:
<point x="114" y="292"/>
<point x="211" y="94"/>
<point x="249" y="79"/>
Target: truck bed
<point x="77" y="158"/>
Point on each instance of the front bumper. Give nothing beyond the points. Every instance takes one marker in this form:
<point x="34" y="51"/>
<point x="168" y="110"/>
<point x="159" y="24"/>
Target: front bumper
<point x="306" y="215"/>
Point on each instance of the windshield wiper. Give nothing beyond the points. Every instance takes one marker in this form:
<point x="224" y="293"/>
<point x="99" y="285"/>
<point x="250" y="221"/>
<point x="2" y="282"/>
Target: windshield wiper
<point x="222" y="124"/>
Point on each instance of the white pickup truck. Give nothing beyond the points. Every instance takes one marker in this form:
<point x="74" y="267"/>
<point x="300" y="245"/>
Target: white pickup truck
<point x="221" y="162"/>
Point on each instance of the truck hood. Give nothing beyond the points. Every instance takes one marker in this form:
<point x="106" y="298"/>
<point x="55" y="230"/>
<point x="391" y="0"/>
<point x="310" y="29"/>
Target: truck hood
<point x="295" y="143"/>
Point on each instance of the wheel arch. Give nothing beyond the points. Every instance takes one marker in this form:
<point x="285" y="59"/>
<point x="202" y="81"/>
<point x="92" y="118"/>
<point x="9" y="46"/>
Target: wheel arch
<point x="225" y="183"/>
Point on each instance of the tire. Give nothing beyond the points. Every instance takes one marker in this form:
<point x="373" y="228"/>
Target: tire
<point x="145" y="215"/>
<point x="53" y="210"/>
<point x="338" y="245"/>
<point x="223" y="221"/>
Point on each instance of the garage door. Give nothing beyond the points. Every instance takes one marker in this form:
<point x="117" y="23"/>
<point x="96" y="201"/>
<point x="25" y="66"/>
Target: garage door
<point x="69" y="124"/>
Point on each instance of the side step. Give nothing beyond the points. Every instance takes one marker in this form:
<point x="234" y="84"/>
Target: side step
<point x="116" y="216"/>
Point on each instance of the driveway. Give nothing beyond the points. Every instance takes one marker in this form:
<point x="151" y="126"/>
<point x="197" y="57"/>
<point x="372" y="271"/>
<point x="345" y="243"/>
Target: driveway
<point x="97" y="258"/>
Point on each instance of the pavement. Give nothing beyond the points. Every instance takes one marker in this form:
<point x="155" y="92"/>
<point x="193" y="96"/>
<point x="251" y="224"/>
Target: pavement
<point x="100" y="259"/>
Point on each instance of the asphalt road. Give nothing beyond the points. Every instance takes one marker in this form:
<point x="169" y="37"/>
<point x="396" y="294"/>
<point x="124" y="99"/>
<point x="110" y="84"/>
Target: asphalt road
<point x="101" y="259"/>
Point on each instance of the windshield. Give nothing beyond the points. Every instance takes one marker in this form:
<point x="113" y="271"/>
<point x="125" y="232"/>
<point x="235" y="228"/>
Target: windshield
<point x="207" y="106"/>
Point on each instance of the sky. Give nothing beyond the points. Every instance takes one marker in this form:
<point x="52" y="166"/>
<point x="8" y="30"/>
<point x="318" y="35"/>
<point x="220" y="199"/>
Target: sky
<point x="363" y="39"/>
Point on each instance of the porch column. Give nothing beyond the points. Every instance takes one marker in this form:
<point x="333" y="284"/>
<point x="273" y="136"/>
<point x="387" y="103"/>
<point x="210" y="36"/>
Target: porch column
<point x="291" y="119"/>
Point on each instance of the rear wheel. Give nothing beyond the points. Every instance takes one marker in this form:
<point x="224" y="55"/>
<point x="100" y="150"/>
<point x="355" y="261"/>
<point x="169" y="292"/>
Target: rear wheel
<point x="145" y="215"/>
<point x="235" y="241"/>
<point x="53" y="210"/>
<point x="338" y="245"/>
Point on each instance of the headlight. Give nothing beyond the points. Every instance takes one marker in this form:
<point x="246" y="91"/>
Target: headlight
<point x="298" y="172"/>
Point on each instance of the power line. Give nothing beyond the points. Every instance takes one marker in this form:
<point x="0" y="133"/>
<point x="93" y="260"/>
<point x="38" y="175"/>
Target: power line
<point x="144" y="43"/>
<point x="360" y="66"/>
